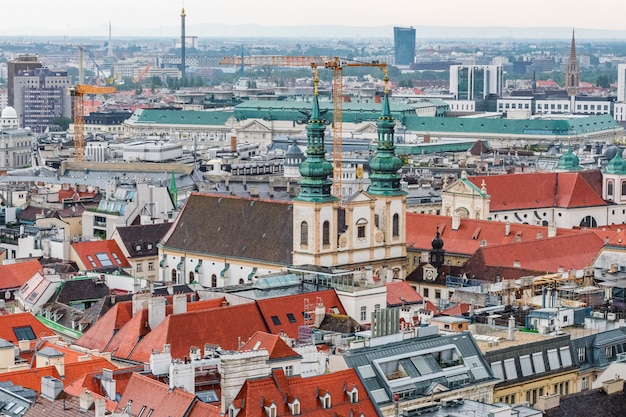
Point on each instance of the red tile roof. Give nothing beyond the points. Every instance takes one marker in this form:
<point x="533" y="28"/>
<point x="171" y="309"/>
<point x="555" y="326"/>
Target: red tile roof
<point x="457" y="310"/>
<point x="275" y="345"/>
<point x="31" y="378"/>
<point x="223" y="326"/>
<point x="260" y="392"/>
<point x="17" y="274"/>
<point x="544" y="255"/>
<point x="84" y="250"/>
<point x="542" y="189"/>
<point x="400" y="293"/>
<point x="100" y="333"/>
<point x="422" y="228"/>
<point x="155" y="395"/>
<point x="287" y="313"/>
<point x="8" y="322"/>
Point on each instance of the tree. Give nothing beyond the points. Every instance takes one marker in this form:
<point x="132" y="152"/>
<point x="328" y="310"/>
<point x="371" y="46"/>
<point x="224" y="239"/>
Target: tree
<point x="62" y="121"/>
<point x="603" y="81"/>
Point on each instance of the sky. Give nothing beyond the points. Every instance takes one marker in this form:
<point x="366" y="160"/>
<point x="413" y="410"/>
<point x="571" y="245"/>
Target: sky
<point x="161" y="17"/>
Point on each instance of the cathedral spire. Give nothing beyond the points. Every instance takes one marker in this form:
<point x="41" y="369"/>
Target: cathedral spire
<point x="572" y="76"/>
<point x="384" y="179"/>
<point x="315" y="184"/>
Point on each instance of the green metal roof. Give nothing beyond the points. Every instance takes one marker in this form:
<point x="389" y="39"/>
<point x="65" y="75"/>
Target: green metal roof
<point x="293" y="110"/>
<point x="563" y="127"/>
<point x="180" y="117"/>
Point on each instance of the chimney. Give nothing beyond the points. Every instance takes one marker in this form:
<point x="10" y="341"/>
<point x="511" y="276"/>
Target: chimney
<point x="51" y="357"/>
<point x="552" y="230"/>
<point x="160" y="361"/>
<point x="180" y="303"/>
<point x="100" y="407"/>
<point x="511" y="335"/>
<point x="507" y="228"/>
<point x="7" y="355"/>
<point x="86" y="401"/>
<point x="156" y="311"/>
<point x="51" y="387"/>
<point x="456" y="221"/>
<point x="182" y="375"/>
<point x="320" y="313"/>
<point x="140" y="301"/>
<point x="194" y="353"/>
<point x="108" y="383"/>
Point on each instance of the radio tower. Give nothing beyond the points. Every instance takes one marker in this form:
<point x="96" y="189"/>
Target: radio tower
<point x="182" y="42"/>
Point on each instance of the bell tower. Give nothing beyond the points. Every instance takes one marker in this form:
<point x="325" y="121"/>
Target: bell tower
<point x="572" y="76"/>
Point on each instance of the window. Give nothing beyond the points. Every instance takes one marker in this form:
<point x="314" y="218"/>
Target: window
<point x="213" y="280"/>
<point x="304" y="233"/>
<point x="295" y="408"/>
<point x="396" y="225"/>
<point x="192" y="277"/>
<point x="582" y="354"/>
<point x="139" y="267"/>
<point x="360" y="227"/>
<point x="24" y="333"/>
<point x="608" y="351"/>
<point x="90" y="259"/>
<point x="376" y="307"/>
<point x="354" y="396"/>
<point x="117" y="259"/>
<point x="326" y="401"/>
<point x="291" y="318"/>
<point x="326" y="233"/>
<point x="425" y="292"/>
<point x="437" y="294"/>
<point x="363" y="313"/>
<point x="623" y="188"/>
<point x="174" y="275"/>
<point x="288" y="370"/>
<point x="609" y="188"/>
<point x="276" y="320"/>
<point x="151" y="266"/>
<point x="104" y="259"/>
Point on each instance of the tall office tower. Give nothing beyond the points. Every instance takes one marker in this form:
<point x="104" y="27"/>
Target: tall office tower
<point x="475" y="82"/>
<point x="182" y="42"/>
<point x="621" y="83"/>
<point x="404" y="45"/>
<point x="40" y="96"/>
<point x="22" y="63"/>
<point x="572" y="76"/>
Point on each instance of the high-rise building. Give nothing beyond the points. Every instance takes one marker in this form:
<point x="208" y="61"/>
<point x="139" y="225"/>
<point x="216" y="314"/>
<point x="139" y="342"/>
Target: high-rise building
<point x="475" y="82"/>
<point x="22" y="63"/>
<point x="40" y="95"/>
<point x="572" y="75"/>
<point x="621" y="83"/>
<point x="404" y="45"/>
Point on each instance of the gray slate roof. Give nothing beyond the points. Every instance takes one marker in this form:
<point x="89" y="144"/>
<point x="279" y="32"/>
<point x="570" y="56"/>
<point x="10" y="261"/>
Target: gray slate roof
<point x="141" y="240"/>
<point x="234" y="227"/>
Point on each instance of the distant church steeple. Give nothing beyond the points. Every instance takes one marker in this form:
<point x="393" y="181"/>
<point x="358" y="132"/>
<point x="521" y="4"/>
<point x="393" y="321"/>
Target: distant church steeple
<point x="384" y="179"/>
<point x="315" y="184"/>
<point x="572" y="76"/>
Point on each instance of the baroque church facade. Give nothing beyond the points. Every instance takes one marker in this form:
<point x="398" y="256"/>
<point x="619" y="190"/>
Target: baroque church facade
<point x="219" y="240"/>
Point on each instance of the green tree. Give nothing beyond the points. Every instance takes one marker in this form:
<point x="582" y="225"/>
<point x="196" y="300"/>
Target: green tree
<point x="603" y="81"/>
<point x="62" y="121"/>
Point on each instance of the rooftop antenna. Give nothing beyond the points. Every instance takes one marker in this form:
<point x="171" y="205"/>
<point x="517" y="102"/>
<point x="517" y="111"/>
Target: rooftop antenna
<point x="242" y="69"/>
<point x="110" y="50"/>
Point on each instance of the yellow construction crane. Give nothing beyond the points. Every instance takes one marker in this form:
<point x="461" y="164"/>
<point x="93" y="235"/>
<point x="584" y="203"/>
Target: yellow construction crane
<point x="78" y="92"/>
<point x="336" y="65"/>
<point x="142" y="73"/>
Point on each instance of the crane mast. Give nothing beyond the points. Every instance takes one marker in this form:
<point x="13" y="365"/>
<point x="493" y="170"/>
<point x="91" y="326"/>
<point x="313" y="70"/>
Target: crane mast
<point x="335" y="64"/>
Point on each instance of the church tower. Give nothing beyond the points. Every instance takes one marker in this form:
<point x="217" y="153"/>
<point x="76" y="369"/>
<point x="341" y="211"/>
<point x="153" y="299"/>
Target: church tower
<point x="315" y="208"/>
<point x="572" y="76"/>
<point x="390" y="199"/>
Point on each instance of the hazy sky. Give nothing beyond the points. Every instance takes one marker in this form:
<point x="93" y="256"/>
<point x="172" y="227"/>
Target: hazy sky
<point x="161" y="17"/>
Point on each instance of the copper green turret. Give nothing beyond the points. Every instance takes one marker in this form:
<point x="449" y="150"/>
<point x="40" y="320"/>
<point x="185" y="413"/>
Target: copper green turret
<point x="315" y="171"/>
<point x="384" y="179"/>
<point x="173" y="190"/>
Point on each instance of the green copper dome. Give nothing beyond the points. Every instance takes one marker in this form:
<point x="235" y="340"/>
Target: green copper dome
<point x="316" y="171"/>
<point x="569" y="162"/>
<point x="385" y="165"/>
<point x="617" y="165"/>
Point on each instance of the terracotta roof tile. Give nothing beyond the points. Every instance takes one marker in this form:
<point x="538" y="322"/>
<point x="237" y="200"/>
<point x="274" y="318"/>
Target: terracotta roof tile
<point x="17" y="274"/>
<point x="275" y="345"/>
<point x="88" y="251"/>
<point x="286" y="314"/>
<point x="307" y="391"/>
<point x="101" y="332"/>
<point x="400" y="293"/>
<point x="8" y="322"/>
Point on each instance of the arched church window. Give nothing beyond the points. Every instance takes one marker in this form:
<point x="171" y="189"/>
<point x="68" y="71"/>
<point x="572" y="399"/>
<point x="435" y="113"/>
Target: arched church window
<point x="588" y="221"/>
<point x="304" y="233"/>
<point x="396" y="225"/>
<point x="609" y="188"/>
<point x="623" y="188"/>
<point x="213" y="280"/>
<point x="174" y="275"/>
<point x="191" y="277"/>
<point x="326" y="233"/>
<point x="361" y="224"/>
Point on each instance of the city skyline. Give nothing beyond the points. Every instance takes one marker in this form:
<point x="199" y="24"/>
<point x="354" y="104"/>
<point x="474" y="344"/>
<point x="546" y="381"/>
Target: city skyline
<point x="161" y="17"/>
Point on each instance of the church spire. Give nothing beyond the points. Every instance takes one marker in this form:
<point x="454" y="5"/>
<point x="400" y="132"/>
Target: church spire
<point x="315" y="184"/>
<point x="384" y="179"/>
<point x="572" y="76"/>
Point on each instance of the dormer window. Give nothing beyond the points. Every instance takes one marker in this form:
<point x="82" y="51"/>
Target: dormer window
<point x="294" y="407"/>
<point x="325" y="400"/>
<point x="233" y="411"/>
<point x="353" y="395"/>
<point x="271" y="410"/>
